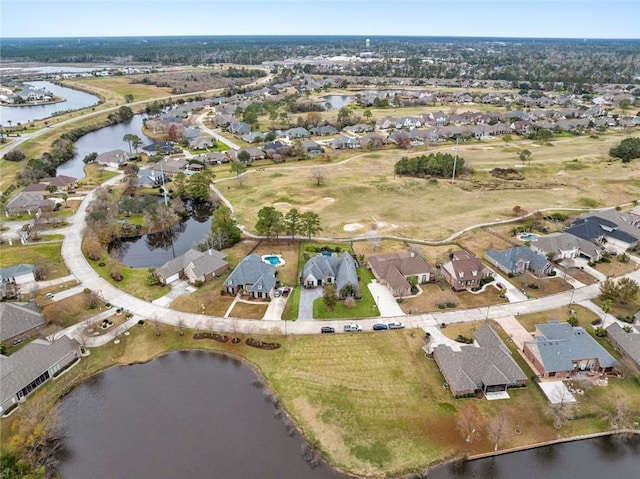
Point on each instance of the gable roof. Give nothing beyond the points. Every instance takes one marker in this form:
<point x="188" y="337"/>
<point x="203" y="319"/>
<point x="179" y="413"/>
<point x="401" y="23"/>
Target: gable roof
<point x="629" y="342"/>
<point x="10" y="272"/>
<point x="204" y="262"/>
<point x="488" y="364"/>
<point x="254" y="272"/>
<point x="395" y="267"/>
<point x="17" y="318"/>
<point x="509" y="258"/>
<point x="27" y="200"/>
<point x="559" y="345"/>
<point x="26" y="364"/>
<point x="465" y="266"/>
<point x="342" y="268"/>
<point x="558" y="242"/>
<point x="593" y="228"/>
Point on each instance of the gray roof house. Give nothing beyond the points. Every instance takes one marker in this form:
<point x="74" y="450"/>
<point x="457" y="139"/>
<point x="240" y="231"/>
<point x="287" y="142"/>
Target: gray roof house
<point x="600" y="230"/>
<point x="29" y="202"/>
<point x="18" y="273"/>
<point x="628" y="344"/>
<point x="519" y="259"/>
<point x="201" y="142"/>
<point x="486" y="366"/>
<point x="19" y="321"/>
<point x="339" y="270"/>
<point x="30" y="367"/>
<point x="561" y="351"/>
<point x="256" y="277"/>
<point x="565" y="245"/>
<point x="194" y="265"/>
<point x="114" y="158"/>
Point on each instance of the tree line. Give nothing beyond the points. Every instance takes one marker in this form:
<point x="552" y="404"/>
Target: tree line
<point x="272" y="223"/>
<point x="434" y="164"/>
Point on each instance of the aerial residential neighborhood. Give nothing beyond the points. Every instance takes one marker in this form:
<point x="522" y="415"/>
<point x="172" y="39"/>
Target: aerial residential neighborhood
<point x="462" y="216"/>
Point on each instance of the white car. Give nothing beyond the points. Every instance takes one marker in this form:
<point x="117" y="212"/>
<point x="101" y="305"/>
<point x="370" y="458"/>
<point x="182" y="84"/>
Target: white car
<point x="49" y="295"/>
<point x="352" y="328"/>
<point x="396" y="325"/>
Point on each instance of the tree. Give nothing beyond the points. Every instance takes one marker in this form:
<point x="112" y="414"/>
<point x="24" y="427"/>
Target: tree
<point x="128" y="98"/>
<point x="198" y="186"/>
<point x="129" y="139"/>
<point x="239" y="167"/>
<point x="14" y="155"/>
<point x="244" y="157"/>
<point x="344" y="116"/>
<point x="628" y="289"/>
<point x="217" y="239"/>
<point x="224" y="222"/>
<point x="497" y="427"/>
<point x="319" y="175"/>
<point x="269" y="222"/>
<point x="525" y="156"/>
<point x="507" y="139"/>
<point x="367" y="114"/>
<point x="468" y="419"/>
<point x="627" y="150"/>
<point x="609" y="291"/>
<point x="330" y="296"/>
<point x="310" y="223"/>
<point x="292" y="222"/>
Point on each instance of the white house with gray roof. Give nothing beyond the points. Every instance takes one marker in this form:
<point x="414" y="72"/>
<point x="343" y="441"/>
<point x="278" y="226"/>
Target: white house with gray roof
<point x="252" y="275"/>
<point x="27" y="369"/>
<point x="339" y="270"/>
<point x="486" y="366"/>
<point x="18" y="274"/>
<point x="566" y="246"/>
<point x="561" y="351"/>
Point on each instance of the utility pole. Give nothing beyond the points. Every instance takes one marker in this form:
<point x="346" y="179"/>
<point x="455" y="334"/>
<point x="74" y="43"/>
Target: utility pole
<point x="164" y="190"/>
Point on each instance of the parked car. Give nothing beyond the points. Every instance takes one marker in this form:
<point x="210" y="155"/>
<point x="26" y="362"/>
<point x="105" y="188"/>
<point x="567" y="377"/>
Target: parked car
<point x="500" y="286"/>
<point x="380" y="327"/>
<point x="277" y="293"/>
<point x="49" y="295"/>
<point x="327" y="330"/>
<point x="396" y="325"/>
<point x="285" y="291"/>
<point x="352" y="328"/>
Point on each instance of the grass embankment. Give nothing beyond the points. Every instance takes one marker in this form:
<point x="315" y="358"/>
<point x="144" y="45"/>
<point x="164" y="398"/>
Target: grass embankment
<point x="372" y="403"/>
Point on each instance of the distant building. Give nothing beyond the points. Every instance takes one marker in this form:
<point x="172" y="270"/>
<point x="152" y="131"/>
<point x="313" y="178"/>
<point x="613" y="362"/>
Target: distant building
<point x="19" y="321"/>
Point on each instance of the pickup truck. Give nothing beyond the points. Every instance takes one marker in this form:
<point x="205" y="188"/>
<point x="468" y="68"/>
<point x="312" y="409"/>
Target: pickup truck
<point x="352" y="328"/>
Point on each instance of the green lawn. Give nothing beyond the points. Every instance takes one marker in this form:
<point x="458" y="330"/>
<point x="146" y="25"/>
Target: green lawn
<point x="134" y="281"/>
<point x="364" y="308"/>
<point x="34" y="252"/>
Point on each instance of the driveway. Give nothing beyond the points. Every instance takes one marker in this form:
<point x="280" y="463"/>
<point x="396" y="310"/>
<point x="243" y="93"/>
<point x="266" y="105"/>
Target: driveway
<point x="515" y="330"/>
<point x="275" y="309"/>
<point x="387" y="304"/>
<point x="514" y="295"/>
<point x="178" y="288"/>
<point x="307" y="297"/>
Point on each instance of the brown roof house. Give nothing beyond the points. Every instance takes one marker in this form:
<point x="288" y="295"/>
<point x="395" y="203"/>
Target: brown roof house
<point x="464" y="271"/>
<point x="486" y="366"/>
<point x="560" y="350"/>
<point x="194" y="265"/>
<point x="394" y="269"/>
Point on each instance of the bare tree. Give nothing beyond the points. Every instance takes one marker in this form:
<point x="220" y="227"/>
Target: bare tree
<point x="319" y="175"/>
<point x="468" y="419"/>
<point x="218" y="238"/>
<point x="619" y="412"/>
<point x="375" y="244"/>
<point x="180" y="325"/>
<point x="560" y="413"/>
<point x="497" y="429"/>
<point x="156" y="324"/>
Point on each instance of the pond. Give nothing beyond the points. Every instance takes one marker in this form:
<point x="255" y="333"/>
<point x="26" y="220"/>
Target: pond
<point x="74" y="100"/>
<point x="157" y="248"/>
<point x="338" y="101"/>
<point x="105" y="139"/>
<point x="190" y="414"/>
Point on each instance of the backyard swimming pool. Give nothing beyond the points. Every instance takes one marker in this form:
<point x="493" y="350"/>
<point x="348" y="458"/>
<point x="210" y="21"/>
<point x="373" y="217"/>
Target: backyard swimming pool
<point x="528" y="237"/>
<point x="273" y="259"/>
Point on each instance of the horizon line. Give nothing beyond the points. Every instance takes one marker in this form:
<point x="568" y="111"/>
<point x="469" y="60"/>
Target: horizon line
<point x="281" y="35"/>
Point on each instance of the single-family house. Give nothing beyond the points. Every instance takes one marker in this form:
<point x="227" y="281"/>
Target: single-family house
<point x="485" y="366"/>
<point x="565" y="246"/>
<point x="560" y="350"/>
<point x="29" y="202"/>
<point x="394" y="270"/>
<point x="163" y="147"/>
<point x="464" y="271"/>
<point x="627" y="344"/>
<point x="312" y="147"/>
<point x="114" y="158"/>
<point x="33" y="365"/>
<point x="339" y="270"/>
<point x="18" y="274"/>
<point x="600" y="231"/>
<point x="194" y="265"/>
<point x="239" y="128"/>
<point x="61" y="182"/>
<point x="254" y="153"/>
<point x="519" y="259"/>
<point x="19" y="321"/>
<point x="344" y="142"/>
<point x="324" y="130"/>
<point x="202" y="142"/>
<point x="255" y="277"/>
<point x="298" y="132"/>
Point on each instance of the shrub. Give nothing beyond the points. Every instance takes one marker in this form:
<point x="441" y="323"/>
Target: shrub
<point x="596" y="321"/>
<point x="600" y="332"/>
<point x="141" y="322"/>
<point x="573" y="321"/>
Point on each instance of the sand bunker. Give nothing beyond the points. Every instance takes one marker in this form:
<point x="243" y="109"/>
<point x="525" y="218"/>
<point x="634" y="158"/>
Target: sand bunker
<point x="353" y="227"/>
<point x="282" y="204"/>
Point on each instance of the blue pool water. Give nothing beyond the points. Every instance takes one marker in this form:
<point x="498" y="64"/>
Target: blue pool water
<point x="274" y="260"/>
<point x="528" y="237"/>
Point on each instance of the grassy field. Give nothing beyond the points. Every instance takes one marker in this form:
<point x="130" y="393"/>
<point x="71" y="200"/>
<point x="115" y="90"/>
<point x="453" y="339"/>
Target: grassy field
<point x="415" y="208"/>
<point x="114" y="88"/>
<point x="32" y="253"/>
<point x="363" y="308"/>
<point x="249" y="310"/>
<point x="134" y="281"/>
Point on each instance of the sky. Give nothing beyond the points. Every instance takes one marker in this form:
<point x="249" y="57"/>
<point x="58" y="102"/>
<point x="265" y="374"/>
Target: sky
<point x="498" y="18"/>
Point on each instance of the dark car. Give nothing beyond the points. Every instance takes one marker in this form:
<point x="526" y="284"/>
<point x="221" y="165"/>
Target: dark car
<point x="500" y="286"/>
<point x="327" y="330"/>
<point x="380" y="327"/>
